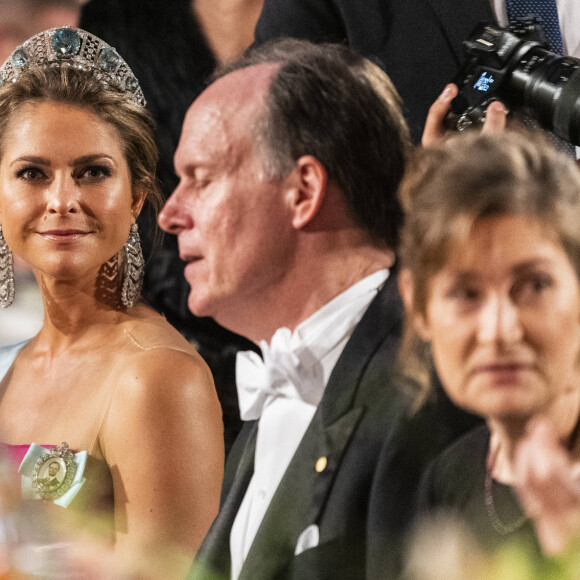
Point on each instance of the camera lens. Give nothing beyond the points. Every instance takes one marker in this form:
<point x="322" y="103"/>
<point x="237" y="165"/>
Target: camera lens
<point x="549" y="84"/>
<point x="519" y="70"/>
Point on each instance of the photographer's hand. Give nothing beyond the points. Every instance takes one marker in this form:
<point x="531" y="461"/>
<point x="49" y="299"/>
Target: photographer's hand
<point x="495" y="118"/>
<point x="434" y="129"/>
<point x="434" y="125"/>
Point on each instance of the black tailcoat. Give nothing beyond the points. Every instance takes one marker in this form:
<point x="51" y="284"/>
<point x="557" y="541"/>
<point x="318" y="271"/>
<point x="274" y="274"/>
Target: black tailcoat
<point x="376" y="449"/>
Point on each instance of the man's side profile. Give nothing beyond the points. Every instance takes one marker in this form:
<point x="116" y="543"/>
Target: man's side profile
<point x="287" y="218"/>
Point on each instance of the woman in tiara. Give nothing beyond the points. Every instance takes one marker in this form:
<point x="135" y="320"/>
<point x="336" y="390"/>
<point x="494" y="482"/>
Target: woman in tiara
<point x="121" y="410"/>
<point x="491" y="283"/>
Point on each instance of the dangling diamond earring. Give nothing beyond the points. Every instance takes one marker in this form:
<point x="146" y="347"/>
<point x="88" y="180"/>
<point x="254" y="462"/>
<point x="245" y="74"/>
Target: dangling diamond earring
<point x="134" y="269"/>
<point x="6" y="273"/>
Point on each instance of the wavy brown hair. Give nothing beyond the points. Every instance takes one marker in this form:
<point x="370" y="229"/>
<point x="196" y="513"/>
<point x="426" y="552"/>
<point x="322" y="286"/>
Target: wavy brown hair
<point x="449" y="188"/>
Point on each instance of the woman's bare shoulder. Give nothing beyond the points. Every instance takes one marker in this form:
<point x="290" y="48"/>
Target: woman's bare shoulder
<point x="155" y="357"/>
<point x="159" y="375"/>
<point x="148" y="331"/>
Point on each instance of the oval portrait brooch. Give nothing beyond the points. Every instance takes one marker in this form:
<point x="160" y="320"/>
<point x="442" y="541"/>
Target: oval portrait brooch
<point x="54" y="472"/>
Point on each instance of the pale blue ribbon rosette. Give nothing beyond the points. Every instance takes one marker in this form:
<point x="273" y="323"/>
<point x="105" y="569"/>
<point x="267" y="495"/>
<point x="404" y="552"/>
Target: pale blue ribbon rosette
<point x="65" y="490"/>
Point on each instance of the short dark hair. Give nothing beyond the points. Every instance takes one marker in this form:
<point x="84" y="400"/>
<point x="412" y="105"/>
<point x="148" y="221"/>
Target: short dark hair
<point x="332" y="103"/>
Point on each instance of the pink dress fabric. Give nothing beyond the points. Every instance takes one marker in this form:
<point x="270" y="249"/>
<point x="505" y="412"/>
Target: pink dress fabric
<point x="15" y="453"/>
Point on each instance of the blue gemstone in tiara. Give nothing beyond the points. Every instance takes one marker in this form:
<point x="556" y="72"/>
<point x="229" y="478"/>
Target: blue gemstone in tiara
<point x="66" y="41"/>
<point x="109" y="59"/>
<point x="19" y="57"/>
<point x="78" y="48"/>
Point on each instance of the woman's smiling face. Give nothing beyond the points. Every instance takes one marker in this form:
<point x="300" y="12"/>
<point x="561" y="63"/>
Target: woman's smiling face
<point x="66" y="200"/>
<point x="503" y="319"/>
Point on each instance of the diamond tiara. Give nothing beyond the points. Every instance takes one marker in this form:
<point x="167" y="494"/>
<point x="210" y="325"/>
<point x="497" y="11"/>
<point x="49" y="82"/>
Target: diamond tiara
<point x="78" y="48"/>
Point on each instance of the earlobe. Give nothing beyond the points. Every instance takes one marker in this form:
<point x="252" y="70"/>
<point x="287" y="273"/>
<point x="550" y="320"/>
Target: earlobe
<point x="311" y="182"/>
<point x="139" y="196"/>
<point x="407" y="291"/>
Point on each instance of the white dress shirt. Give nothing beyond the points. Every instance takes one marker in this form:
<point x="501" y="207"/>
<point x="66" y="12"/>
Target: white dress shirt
<point x="285" y="414"/>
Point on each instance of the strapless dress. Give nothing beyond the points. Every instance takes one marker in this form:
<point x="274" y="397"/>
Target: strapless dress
<point x="15" y="453"/>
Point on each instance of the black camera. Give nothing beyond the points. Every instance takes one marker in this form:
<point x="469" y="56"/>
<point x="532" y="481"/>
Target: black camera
<point x="517" y="67"/>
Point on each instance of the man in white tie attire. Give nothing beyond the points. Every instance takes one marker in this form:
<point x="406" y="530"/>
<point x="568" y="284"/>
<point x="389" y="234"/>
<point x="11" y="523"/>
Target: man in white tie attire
<point x="287" y="219"/>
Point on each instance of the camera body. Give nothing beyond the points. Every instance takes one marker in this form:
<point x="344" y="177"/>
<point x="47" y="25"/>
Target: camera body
<point x="516" y="67"/>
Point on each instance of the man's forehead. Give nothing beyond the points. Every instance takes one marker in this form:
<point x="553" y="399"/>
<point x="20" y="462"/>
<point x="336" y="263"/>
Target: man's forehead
<point x="223" y="114"/>
<point x="238" y="92"/>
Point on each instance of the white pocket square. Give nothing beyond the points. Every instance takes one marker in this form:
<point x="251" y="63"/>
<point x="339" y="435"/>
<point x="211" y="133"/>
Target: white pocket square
<point x="309" y="538"/>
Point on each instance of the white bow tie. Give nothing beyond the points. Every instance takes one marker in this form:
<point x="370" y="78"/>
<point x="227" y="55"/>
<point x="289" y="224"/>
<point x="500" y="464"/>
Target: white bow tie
<point x="293" y="364"/>
<point x="284" y="371"/>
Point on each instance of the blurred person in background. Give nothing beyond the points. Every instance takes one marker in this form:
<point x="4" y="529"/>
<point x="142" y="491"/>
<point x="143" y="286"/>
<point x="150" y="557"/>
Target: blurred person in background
<point x="107" y="388"/>
<point x="419" y="43"/>
<point x="21" y="19"/>
<point x="490" y="280"/>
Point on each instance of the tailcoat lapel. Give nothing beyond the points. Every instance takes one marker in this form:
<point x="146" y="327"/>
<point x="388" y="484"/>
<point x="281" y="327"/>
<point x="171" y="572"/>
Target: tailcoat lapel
<point x="298" y="499"/>
<point x="303" y="490"/>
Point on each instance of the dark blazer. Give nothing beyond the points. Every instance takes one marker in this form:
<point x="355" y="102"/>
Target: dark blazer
<point x="362" y="500"/>
<point x="417" y="42"/>
<point x="455" y="482"/>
